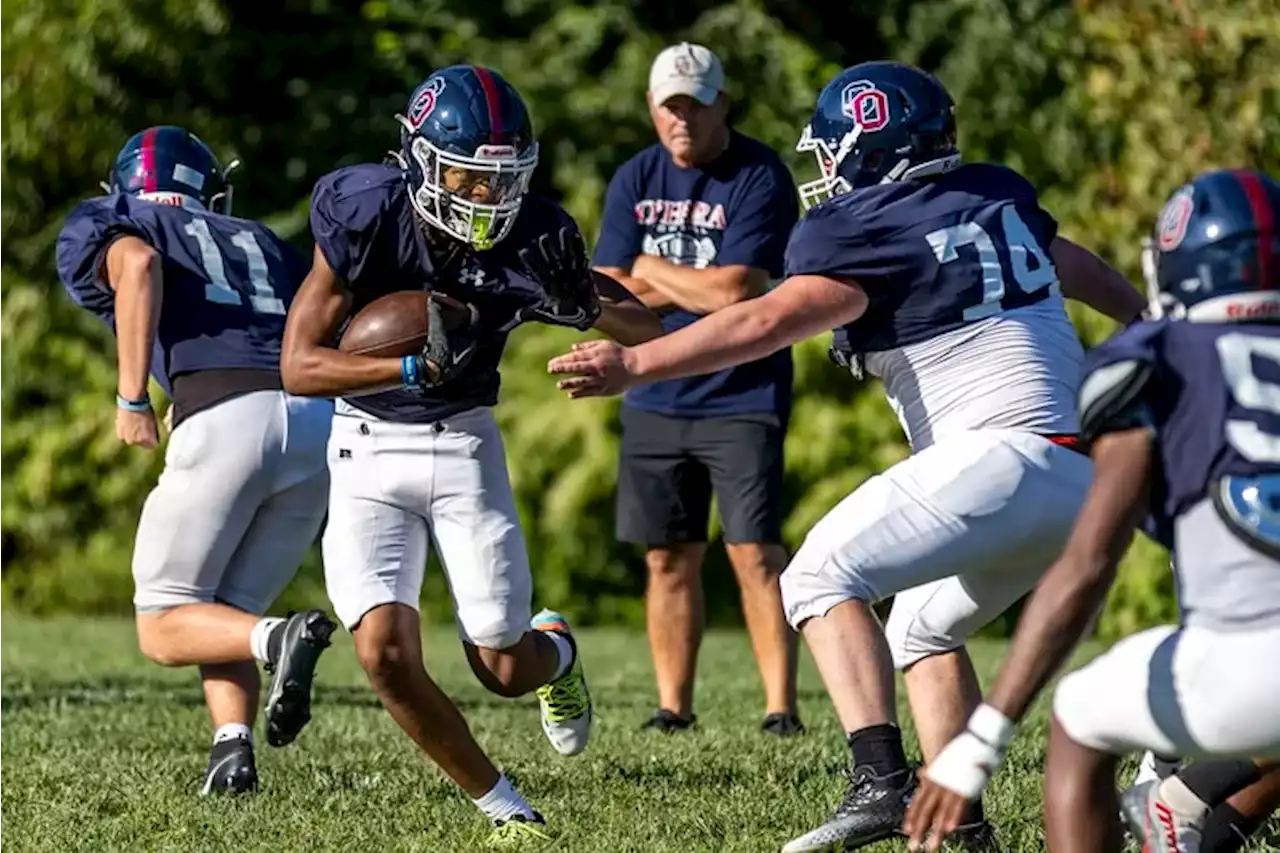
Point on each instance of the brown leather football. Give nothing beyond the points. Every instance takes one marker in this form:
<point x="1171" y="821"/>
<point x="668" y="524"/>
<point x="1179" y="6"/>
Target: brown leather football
<point x="396" y="324"/>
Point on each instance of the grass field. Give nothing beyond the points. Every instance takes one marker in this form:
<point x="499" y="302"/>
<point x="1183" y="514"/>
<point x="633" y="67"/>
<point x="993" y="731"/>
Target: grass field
<point x="103" y="751"/>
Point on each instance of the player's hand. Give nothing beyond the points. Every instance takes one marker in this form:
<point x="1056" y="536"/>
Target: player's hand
<point x="595" y="368"/>
<point x="558" y="263"/>
<point x="957" y="777"/>
<point x="137" y="429"/>
<point x="447" y="351"/>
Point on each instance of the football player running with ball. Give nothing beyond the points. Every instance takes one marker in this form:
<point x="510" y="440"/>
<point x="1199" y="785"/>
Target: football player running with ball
<point x="1183" y="417"/>
<point x="198" y="298"/>
<point x="947" y="282"/>
<point x="416" y="456"/>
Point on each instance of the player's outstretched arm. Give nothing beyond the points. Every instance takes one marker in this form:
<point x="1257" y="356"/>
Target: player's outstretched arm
<point x="623" y="316"/>
<point x="310" y="365"/>
<point x="1055" y="618"/>
<point x="134" y="273"/>
<point x="799" y="308"/>
<point x="642" y="290"/>
<point x="1087" y="278"/>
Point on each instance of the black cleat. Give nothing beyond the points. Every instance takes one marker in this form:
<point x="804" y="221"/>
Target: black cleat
<point x="873" y="809"/>
<point x="782" y="725"/>
<point x="231" y="768"/>
<point x="669" y="722"/>
<point x="304" y="637"/>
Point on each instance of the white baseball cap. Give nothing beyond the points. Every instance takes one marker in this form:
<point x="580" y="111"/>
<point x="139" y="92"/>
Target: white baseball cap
<point x="686" y="69"/>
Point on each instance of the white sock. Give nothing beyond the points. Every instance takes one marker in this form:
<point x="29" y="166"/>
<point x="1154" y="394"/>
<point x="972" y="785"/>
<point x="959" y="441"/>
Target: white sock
<point x="1183" y="802"/>
<point x="260" y="634"/>
<point x="232" y="731"/>
<point x="564" y="652"/>
<point x="503" y="801"/>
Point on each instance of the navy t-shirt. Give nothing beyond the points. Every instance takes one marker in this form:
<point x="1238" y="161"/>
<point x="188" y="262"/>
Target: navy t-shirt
<point x="738" y="209"/>
<point x="228" y="282"/>
<point x="363" y="222"/>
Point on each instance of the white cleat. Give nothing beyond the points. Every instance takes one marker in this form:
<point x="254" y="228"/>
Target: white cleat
<point x="565" y="703"/>
<point x="1154" y="825"/>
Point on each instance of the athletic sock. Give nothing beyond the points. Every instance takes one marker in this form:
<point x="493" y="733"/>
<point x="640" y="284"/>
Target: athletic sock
<point x="878" y="747"/>
<point x="566" y="650"/>
<point x="1228" y="831"/>
<point x="267" y="638"/>
<point x="231" y="731"/>
<point x="1216" y="780"/>
<point x="503" y="801"/>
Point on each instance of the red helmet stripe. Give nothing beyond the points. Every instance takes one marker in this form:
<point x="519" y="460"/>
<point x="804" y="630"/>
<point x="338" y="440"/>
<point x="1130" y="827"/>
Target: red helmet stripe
<point x="1264" y="220"/>
<point x="492" y="100"/>
<point x="148" y="154"/>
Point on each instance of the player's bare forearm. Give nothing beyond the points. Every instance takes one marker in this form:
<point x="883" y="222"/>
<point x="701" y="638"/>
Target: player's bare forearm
<point x="799" y="308"/>
<point x="134" y="272"/>
<point x="1074" y="588"/>
<point x="702" y="291"/>
<point x="1087" y="278"/>
<point x="642" y="290"/>
<point x="309" y="365"/>
<point x="623" y="317"/>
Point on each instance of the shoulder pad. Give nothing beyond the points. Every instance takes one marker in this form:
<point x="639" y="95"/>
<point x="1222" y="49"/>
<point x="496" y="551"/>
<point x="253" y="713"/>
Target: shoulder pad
<point x="1110" y="398"/>
<point x="347" y="207"/>
<point x="86" y="233"/>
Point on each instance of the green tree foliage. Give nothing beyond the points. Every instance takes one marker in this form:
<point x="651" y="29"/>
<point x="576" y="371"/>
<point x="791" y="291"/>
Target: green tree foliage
<point x="1105" y="107"/>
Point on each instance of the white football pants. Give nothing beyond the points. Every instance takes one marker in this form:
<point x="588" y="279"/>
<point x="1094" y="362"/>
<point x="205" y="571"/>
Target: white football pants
<point x="239" y="502"/>
<point x="395" y="487"/>
<point x="956" y="533"/>
<point x="1189" y="692"/>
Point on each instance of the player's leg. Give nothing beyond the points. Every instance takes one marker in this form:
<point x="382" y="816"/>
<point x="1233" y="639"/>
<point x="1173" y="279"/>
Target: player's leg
<point x="270" y="553"/>
<point x="477" y="532"/>
<point x="663" y="503"/>
<point x="1079" y="797"/>
<point x="1229" y="826"/>
<point x="375" y="553"/>
<point x="1183" y="692"/>
<point x="958" y="505"/>
<point x="744" y="457"/>
<point x="191" y="526"/>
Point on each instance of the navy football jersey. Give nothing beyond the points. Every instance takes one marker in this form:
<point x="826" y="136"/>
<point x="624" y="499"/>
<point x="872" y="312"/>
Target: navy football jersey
<point x="1212" y="395"/>
<point x="228" y="282"/>
<point x="363" y="222"/>
<point x="931" y="255"/>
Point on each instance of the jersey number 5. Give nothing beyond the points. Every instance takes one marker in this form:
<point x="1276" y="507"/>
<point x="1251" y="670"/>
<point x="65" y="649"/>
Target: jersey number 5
<point x="1236" y="351"/>
<point x="218" y="289"/>
<point x="1022" y="246"/>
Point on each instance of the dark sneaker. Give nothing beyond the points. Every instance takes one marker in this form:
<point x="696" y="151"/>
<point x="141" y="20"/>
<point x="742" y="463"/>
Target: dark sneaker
<point x="305" y="636"/>
<point x="782" y="725"/>
<point x="231" y="768"/>
<point x="873" y="809"/>
<point x="668" y="722"/>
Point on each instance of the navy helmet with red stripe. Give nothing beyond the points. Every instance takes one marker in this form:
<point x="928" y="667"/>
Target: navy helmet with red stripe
<point x="1215" y="254"/>
<point x="468" y="152"/>
<point x="877" y="122"/>
<point x="171" y="165"/>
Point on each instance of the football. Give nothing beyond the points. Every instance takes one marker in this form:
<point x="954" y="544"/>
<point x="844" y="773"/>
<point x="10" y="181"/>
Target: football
<point x="396" y="324"/>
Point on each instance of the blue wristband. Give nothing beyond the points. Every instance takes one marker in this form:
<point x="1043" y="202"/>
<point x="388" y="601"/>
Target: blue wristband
<point x="142" y="404"/>
<point x="409" y="373"/>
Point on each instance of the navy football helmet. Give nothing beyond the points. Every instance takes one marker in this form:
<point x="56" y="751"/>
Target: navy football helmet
<point x="170" y="165"/>
<point x="877" y="122"/>
<point x="468" y="152"/>
<point x="1215" y="254"/>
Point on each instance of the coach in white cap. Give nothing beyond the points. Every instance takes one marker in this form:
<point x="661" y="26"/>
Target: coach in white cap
<point x="691" y="225"/>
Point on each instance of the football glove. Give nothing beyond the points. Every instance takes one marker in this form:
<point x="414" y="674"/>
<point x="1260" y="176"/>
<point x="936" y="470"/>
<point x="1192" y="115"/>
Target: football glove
<point x="558" y="264"/>
<point x="447" y="352"/>
<point x="966" y="765"/>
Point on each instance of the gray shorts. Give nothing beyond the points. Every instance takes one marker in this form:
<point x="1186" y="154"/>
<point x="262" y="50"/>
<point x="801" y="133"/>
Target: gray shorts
<point x="241" y="498"/>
